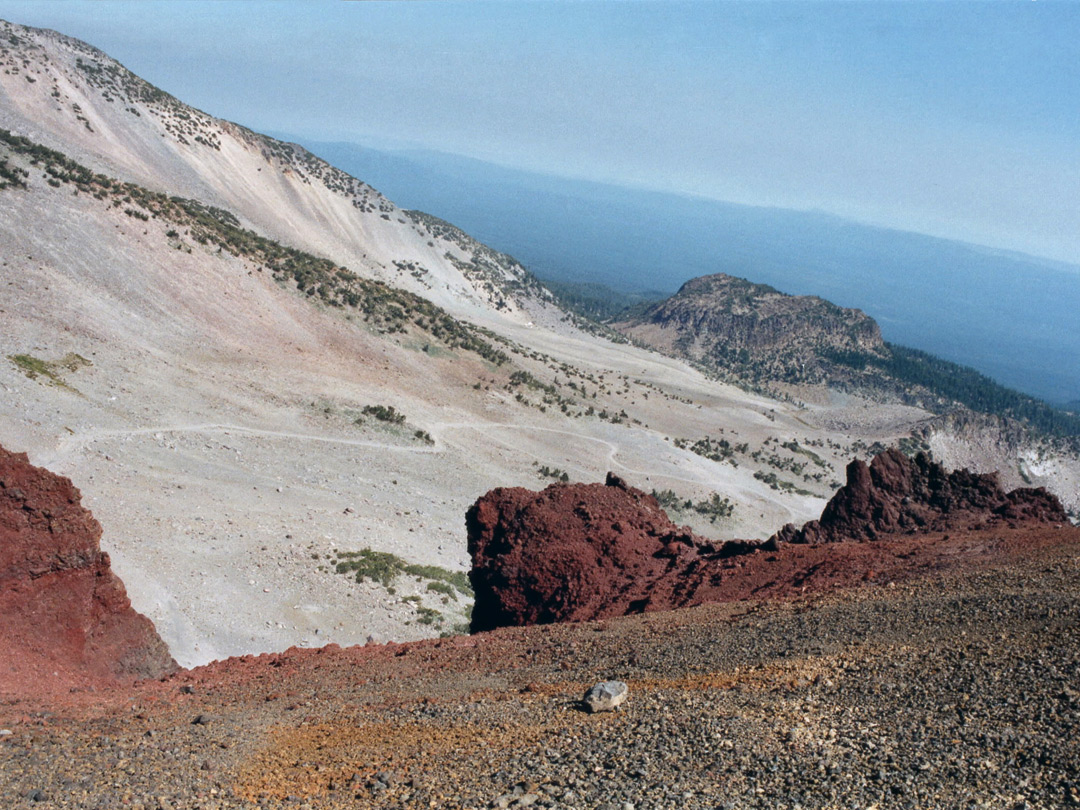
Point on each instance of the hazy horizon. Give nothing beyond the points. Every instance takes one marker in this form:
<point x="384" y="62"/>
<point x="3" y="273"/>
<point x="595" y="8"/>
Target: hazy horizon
<point x="956" y="120"/>
<point x="411" y="150"/>
<point x="1009" y="315"/>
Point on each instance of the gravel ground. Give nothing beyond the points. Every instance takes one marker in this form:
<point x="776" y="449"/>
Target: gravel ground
<point x="954" y="691"/>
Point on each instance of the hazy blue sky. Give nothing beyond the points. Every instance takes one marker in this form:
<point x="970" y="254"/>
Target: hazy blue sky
<point x="957" y="119"/>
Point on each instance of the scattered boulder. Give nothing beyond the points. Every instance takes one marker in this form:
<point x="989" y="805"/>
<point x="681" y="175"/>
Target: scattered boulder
<point x="606" y="696"/>
<point x="66" y="619"/>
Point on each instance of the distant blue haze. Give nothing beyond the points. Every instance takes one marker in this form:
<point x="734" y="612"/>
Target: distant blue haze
<point x="1011" y="316"/>
<point x="957" y="120"/>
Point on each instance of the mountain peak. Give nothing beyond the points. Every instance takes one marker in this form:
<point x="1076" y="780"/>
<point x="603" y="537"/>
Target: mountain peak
<point x="726" y="322"/>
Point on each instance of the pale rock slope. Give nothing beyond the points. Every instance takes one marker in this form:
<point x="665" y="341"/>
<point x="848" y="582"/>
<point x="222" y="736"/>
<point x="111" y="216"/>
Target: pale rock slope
<point x="72" y="97"/>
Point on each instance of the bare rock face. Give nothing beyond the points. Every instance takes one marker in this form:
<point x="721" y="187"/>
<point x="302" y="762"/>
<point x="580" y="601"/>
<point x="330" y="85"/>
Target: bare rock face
<point x="590" y="551"/>
<point x="65" y="619"/>
<point x="734" y="324"/>
<point x="571" y="553"/>
<point x="895" y="494"/>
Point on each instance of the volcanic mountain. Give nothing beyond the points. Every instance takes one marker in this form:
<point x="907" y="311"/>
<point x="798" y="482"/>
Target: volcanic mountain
<point x="70" y="96"/>
<point x="756" y="336"/>
<point x="279" y="393"/>
<point x="265" y="375"/>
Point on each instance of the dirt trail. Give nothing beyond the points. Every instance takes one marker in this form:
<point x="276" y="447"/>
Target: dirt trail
<point x="79" y="442"/>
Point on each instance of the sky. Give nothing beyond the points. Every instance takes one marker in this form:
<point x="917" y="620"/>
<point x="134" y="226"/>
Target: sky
<point x="956" y="119"/>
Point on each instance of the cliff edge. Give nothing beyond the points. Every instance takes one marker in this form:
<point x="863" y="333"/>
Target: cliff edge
<point x="66" y="618"/>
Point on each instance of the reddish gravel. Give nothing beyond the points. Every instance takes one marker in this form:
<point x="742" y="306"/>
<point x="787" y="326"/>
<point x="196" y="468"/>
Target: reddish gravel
<point x="951" y="689"/>
<point x="923" y="670"/>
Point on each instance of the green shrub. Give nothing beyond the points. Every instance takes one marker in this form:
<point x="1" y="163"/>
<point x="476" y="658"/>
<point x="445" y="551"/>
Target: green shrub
<point x="780" y="484"/>
<point x="714" y="507"/>
<point x="35" y="368"/>
<point x="428" y="615"/>
<point x="384" y="567"/>
<point x="384" y="413"/>
<point x="32" y="367"/>
<point x="378" y="566"/>
<point x="12" y="176"/>
<point x="442" y="587"/>
<point x="552" y="472"/>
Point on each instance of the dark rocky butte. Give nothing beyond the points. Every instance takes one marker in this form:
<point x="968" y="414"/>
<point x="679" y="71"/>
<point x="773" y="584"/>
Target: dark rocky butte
<point x="729" y="323"/>
<point x="897" y="495"/>
<point x="589" y="551"/>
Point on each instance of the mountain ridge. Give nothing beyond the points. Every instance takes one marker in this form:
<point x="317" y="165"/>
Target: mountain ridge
<point x="754" y="331"/>
<point x="753" y="334"/>
<point x="564" y="229"/>
<point x="101" y="114"/>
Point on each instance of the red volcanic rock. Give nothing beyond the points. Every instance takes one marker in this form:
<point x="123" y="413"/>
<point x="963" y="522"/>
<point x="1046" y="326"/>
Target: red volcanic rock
<point x="65" y="619"/>
<point x="571" y="553"/>
<point x="899" y="495"/>
<point x="587" y="551"/>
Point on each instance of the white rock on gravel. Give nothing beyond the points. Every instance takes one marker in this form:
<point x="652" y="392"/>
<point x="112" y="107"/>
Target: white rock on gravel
<point x="606" y="696"/>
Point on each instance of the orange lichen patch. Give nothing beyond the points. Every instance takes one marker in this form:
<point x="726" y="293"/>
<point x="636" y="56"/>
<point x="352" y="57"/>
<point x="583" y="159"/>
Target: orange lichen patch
<point x="331" y="760"/>
<point x="788" y="674"/>
<point x="531" y="692"/>
<point x="698" y="682"/>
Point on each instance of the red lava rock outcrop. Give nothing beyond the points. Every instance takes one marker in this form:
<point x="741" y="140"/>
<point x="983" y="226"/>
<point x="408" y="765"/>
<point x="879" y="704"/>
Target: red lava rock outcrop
<point x="589" y="551"/>
<point x="65" y="619"/>
<point x="570" y="553"/>
<point x="895" y="494"/>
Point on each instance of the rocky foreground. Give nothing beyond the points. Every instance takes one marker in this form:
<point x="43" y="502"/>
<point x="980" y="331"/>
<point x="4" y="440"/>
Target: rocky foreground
<point x="926" y="668"/>
<point x="954" y="691"/>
